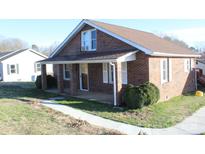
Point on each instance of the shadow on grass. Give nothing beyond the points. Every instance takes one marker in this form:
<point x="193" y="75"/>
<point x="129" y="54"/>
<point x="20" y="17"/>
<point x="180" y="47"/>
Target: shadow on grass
<point x="90" y="106"/>
<point x="18" y="91"/>
<point x="26" y="91"/>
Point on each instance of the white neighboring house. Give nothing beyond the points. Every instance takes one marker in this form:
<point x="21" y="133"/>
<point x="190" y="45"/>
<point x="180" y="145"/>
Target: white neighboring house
<point x="20" y="65"/>
<point x="200" y="63"/>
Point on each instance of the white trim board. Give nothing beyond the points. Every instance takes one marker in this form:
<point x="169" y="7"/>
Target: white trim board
<point x="160" y="54"/>
<point x="131" y="56"/>
<point x="134" y="44"/>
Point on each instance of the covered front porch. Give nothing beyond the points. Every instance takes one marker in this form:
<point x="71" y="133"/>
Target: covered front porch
<point x="85" y="77"/>
<point x="92" y="96"/>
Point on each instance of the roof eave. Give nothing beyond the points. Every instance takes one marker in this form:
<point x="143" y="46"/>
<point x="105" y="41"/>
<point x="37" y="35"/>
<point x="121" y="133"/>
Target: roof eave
<point x="160" y="54"/>
<point x="77" y="61"/>
<point x="131" y="56"/>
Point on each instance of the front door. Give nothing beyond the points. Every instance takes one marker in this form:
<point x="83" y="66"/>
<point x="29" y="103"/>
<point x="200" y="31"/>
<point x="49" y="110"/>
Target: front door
<point x="83" y="76"/>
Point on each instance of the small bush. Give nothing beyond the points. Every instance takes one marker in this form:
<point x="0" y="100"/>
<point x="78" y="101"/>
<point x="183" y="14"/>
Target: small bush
<point x="51" y="82"/>
<point x="38" y="82"/>
<point x="139" y="96"/>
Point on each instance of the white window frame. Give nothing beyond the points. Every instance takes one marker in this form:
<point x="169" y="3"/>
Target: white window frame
<point x="13" y="69"/>
<point x="124" y="72"/>
<point x="187" y="65"/>
<point x="64" y="70"/>
<point x="89" y="41"/>
<point x="38" y="67"/>
<point x="164" y="79"/>
<point x="108" y="73"/>
<point x="105" y="72"/>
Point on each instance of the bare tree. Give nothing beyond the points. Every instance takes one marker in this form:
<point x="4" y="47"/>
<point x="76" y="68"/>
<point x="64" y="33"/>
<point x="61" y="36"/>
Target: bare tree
<point x="35" y="47"/>
<point x="9" y="44"/>
<point x="175" y="40"/>
<point x="49" y="49"/>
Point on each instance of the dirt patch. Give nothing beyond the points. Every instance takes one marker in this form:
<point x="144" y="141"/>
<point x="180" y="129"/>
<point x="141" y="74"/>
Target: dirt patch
<point x="70" y="122"/>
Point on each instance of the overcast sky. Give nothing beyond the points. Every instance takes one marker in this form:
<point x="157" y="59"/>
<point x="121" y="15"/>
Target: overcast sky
<point x="46" y="32"/>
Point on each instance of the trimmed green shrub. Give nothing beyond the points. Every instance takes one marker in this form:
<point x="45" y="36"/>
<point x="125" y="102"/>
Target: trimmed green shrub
<point x="142" y="95"/>
<point x="38" y="82"/>
<point x="51" y="82"/>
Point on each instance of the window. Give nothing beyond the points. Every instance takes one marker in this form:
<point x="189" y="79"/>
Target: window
<point x="166" y="70"/>
<point x="105" y="72"/>
<point x="66" y="72"/>
<point x="88" y="40"/>
<point x="93" y="40"/>
<point x="187" y="65"/>
<point x="38" y="67"/>
<point x="108" y="73"/>
<point x="12" y="69"/>
<point x="124" y="72"/>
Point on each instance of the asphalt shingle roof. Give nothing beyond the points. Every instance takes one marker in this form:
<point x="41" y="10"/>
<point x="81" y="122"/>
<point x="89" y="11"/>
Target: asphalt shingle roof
<point x="145" y="39"/>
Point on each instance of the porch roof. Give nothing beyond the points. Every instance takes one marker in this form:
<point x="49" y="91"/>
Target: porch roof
<point x="94" y="57"/>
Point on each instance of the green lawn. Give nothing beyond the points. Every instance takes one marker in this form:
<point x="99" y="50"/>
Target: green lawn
<point x="160" y="115"/>
<point x="20" y="113"/>
<point x="22" y="90"/>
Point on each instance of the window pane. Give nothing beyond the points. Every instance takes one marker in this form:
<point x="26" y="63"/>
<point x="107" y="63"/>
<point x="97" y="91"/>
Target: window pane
<point x="12" y="66"/>
<point x="38" y="69"/>
<point x="13" y="71"/>
<point x="85" y="41"/>
<point x="67" y="74"/>
<point x="93" y="44"/>
<point x="93" y="35"/>
<point x="165" y="70"/>
<point x="67" y="71"/>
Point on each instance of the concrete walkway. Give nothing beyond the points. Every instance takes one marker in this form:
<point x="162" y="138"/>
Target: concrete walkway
<point x="194" y="124"/>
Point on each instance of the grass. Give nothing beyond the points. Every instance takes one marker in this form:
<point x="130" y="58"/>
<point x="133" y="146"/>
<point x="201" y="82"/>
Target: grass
<point x="22" y="90"/>
<point x="20" y="113"/>
<point x="160" y="115"/>
<point x="21" y="118"/>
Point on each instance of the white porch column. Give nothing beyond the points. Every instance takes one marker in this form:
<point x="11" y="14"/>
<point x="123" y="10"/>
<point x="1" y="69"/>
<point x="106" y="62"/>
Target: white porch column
<point x="117" y="83"/>
<point x="118" y="73"/>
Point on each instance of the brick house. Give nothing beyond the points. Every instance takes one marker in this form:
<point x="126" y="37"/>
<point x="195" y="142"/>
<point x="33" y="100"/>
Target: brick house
<point x="100" y="57"/>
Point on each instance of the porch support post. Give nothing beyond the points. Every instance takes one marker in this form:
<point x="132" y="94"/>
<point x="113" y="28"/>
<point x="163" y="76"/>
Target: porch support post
<point x="73" y="79"/>
<point x="118" y="75"/>
<point x="43" y="77"/>
<point x="60" y="78"/>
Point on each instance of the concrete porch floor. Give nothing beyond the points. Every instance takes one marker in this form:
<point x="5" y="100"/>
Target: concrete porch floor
<point x="94" y="96"/>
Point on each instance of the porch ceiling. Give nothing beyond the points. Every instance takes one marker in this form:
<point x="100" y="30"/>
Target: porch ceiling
<point x="93" y="57"/>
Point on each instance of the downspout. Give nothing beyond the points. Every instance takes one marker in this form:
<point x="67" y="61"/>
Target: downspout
<point x="114" y="83"/>
<point x="195" y="78"/>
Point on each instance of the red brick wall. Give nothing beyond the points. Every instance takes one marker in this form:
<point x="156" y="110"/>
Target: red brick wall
<point x="66" y="83"/>
<point x="96" y="79"/>
<point x="181" y="82"/>
<point x="105" y="43"/>
<point x="138" y="70"/>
